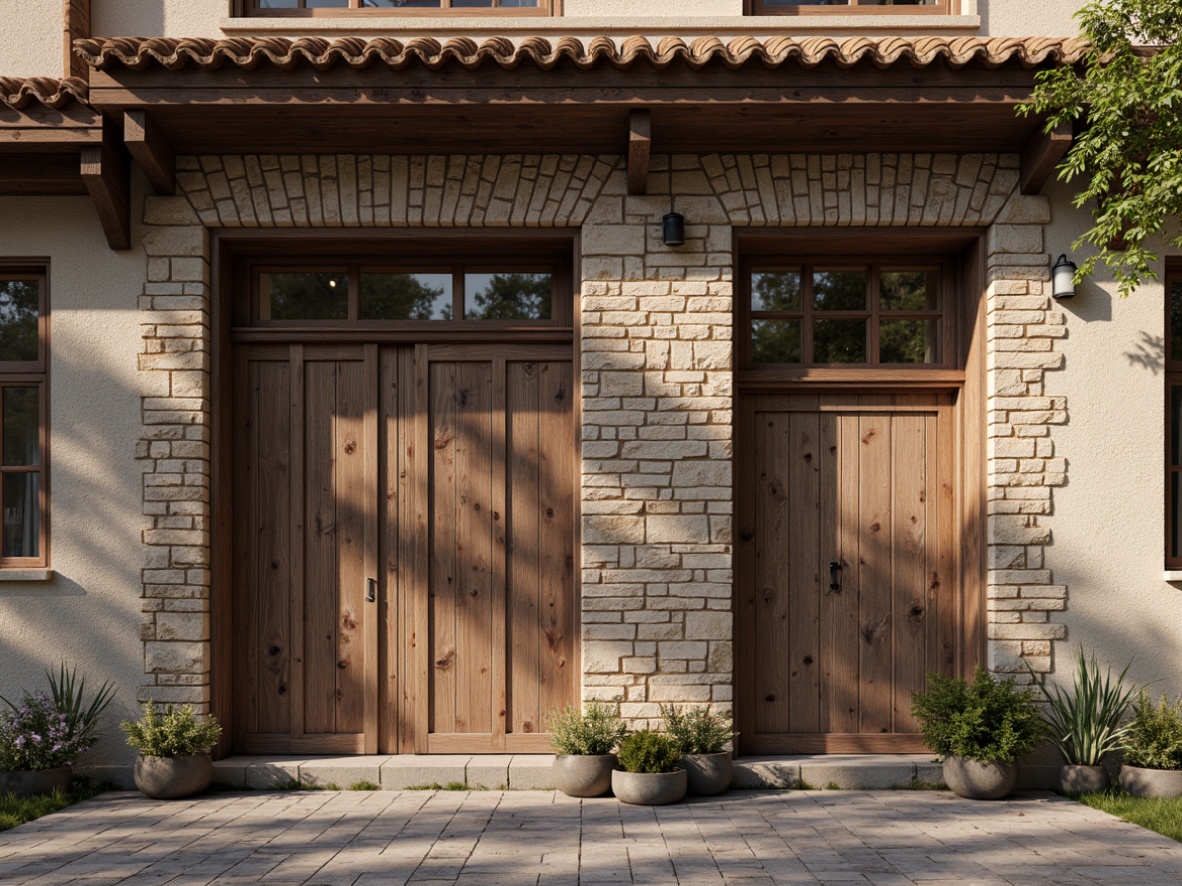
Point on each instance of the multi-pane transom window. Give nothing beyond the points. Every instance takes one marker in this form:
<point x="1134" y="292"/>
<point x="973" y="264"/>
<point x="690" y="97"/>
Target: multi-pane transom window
<point x="394" y="7"/>
<point x="357" y="295"/>
<point x="846" y="313"/>
<point x="809" y="7"/>
<point x="1174" y="419"/>
<point x="23" y="522"/>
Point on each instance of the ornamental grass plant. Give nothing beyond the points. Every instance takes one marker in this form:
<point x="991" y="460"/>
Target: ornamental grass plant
<point x="1086" y="723"/>
<point x="175" y="732"/>
<point x="988" y="720"/>
<point x="50" y="730"/>
<point x="596" y="730"/>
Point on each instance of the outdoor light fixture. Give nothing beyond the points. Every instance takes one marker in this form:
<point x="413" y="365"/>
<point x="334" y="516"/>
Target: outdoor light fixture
<point x="673" y="229"/>
<point x="1063" y="278"/>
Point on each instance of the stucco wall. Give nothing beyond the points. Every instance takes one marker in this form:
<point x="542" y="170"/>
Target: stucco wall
<point x="88" y="613"/>
<point x="31" y="41"/>
<point x="1108" y="522"/>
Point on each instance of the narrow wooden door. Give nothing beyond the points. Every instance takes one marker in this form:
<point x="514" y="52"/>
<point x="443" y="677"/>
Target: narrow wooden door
<point x="847" y="590"/>
<point x="494" y="599"/>
<point x="306" y="628"/>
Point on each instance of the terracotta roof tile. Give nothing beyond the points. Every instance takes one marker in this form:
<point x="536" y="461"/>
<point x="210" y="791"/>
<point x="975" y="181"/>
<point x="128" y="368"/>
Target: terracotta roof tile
<point x="16" y="92"/>
<point x="137" y="53"/>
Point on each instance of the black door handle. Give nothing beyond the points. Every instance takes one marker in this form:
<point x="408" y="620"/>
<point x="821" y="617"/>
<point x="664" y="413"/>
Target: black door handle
<point x="834" y="568"/>
<point x="371" y="590"/>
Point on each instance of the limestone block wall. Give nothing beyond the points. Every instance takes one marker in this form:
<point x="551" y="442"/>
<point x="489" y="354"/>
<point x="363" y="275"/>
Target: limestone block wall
<point x="656" y="349"/>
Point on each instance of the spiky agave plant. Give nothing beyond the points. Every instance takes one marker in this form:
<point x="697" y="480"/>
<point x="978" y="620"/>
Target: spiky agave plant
<point x="1086" y="723"/>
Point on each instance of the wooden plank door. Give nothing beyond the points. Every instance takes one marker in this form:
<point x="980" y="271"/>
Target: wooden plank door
<point x="305" y="634"/>
<point x="847" y="586"/>
<point x="494" y="592"/>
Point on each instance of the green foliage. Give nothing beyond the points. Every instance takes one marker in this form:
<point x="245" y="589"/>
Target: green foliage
<point x="1155" y="735"/>
<point x="1153" y="813"/>
<point x="595" y="730"/>
<point x="987" y="720"/>
<point x="19" y="311"/>
<point x="1085" y="724"/>
<point x="44" y="731"/>
<point x="364" y="786"/>
<point x="1129" y="153"/>
<point x="175" y="733"/>
<point x="16" y="810"/>
<point x="648" y="751"/>
<point x="697" y="731"/>
<point x="509" y="297"/>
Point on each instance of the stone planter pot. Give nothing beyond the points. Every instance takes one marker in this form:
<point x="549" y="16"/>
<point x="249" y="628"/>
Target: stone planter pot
<point x="170" y="778"/>
<point x="1075" y="779"/>
<point x="708" y="774"/>
<point x="1140" y="782"/>
<point x="975" y="780"/>
<point x="649" y="788"/>
<point x="24" y="783"/>
<point x="584" y="775"/>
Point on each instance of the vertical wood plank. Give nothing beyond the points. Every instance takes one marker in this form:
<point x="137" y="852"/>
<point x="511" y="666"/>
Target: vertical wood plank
<point x="444" y="389"/>
<point x="321" y="573"/>
<point x="245" y="599"/>
<point x="391" y="669"/>
<point x="416" y="545"/>
<point x="370" y="613"/>
<point x="802" y="661"/>
<point x="524" y="471"/>
<point x="748" y="540"/>
<point x="772" y="568"/>
<point x="844" y="638"/>
<point x="943" y="581"/>
<point x="875" y="526"/>
<point x="298" y="477"/>
<point x="351" y="505"/>
<point x="909" y="517"/>
<point x="496" y="636"/>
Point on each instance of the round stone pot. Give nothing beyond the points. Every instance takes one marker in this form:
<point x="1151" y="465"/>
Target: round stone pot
<point x="1140" y="782"/>
<point x="975" y="780"/>
<point x="27" y="782"/>
<point x="708" y="774"/>
<point x="170" y="778"/>
<point x="1075" y="779"/>
<point x="584" y="775"/>
<point x="649" y="788"/>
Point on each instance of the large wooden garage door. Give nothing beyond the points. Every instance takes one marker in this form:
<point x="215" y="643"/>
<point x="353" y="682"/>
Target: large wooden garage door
<point x="848" y="593"/>
<point x="454" y="468"/>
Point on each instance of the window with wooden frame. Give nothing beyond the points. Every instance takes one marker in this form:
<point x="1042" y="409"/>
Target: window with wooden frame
<point x="501" y="292"/>
<point x="874" y="311"/>
<point x="847" y="7"/>
<point x="395" y="7"/>
<point x="24" y="324"/>
<point x="1173" y="355"/>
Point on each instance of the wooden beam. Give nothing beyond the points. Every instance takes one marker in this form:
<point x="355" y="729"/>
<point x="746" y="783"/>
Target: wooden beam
<point x="76" y="26"/>
<point x="150" y="150"/>
<point x="106" y="172"/>
<point x="640" y="141"/>
<point x="41" y="174"/>
<point x="1041" y="154"/>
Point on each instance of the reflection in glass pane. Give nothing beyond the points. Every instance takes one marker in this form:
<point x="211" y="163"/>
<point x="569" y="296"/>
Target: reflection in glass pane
<point x="19" y="309"/>
<point x="279" y="4"/>
<point x="839" y="290"/>
<point x="402" y="4"/>
<point x="327" y="4"/>
<point x="839" y="341"/>
<point x="1175" y="424"/>
<point x="909" y="341"/>
<point x="22" y="422"/>
<point x="1175" y="322"/>
<point x="775" y="291"/>
<point x="21" y="515"/>
<point x="405" y="296"/>
<point x="775" y="3"/>
<point x="305" y="295"/>
<point x="909" y="291"/>
<point x="775" y="341"/>
<point x="507" y="296"/>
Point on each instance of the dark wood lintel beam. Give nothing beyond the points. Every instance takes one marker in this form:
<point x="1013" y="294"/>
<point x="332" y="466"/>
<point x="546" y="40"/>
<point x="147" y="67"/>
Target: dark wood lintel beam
<point x="640" y="141"/>
<point x="150" y="150"/>
<point x="1041" y="154"/>
<point x="106" y="172"/>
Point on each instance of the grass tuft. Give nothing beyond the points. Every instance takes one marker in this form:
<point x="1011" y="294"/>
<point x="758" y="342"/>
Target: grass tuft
<point x="918" y="784"/>
<point x="16" y="810"/>
<point x="802" y="785"/>
<point x="364" y="786"/>
<point x="833" y="786"/>
<point x="1152" y="813"/>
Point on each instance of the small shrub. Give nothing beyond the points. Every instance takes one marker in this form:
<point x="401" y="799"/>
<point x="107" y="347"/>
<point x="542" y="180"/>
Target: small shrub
<point x="45" y="731"/>
<point x="696" y="730"/>
<point x="595" y="730"/>
<point x="175" y="733"/>
<point x="987" y="720"/>
<point x="648" y="751"/>
<point x="1155" y="735"/>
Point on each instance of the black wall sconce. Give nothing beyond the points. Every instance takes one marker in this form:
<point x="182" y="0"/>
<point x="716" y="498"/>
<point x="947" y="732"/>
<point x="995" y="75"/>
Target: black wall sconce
<point x="1063" y="278"/>
<point x="673" y="229"/>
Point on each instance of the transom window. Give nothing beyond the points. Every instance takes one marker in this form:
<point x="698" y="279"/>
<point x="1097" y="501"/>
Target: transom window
<point x="846" y="313"/>
<point x="879" y="7"/>
<point x="23" y="327"/>
<point x="1174" y="418"/>
<point x="393" y="7"/>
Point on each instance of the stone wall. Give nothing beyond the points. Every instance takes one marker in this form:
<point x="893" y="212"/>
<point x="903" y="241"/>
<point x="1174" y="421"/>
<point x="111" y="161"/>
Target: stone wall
<point x="657" y="352"/>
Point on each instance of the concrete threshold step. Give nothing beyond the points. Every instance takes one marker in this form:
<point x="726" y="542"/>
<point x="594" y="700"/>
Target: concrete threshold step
<point x="531" y="772"/>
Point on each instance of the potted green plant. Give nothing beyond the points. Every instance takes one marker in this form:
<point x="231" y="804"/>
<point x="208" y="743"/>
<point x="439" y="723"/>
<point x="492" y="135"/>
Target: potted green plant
<point x="980" y="729"/>
<point x="1085" y="724"/>
<point x="701" y="738"/>
<point x="585" y="741"/>
<point x="43" y="734"/>
<point x="649" y="775"/>
<point x="174" y="748"/>
<point x="1153" y="750"/>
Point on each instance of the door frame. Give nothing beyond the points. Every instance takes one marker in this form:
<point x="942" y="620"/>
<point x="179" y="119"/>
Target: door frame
<point x="229" y="251"/>
<point x="966" y="381"/>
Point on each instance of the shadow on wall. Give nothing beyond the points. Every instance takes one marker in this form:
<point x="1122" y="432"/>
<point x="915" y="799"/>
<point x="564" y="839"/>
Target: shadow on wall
<point x="1148" y="352"/>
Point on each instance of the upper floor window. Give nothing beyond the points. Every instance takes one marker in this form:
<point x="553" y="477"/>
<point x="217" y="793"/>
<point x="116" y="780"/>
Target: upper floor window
<point x="395" y="7"/>
<point x="23" y="413"/>
<point x="810" y="7"/>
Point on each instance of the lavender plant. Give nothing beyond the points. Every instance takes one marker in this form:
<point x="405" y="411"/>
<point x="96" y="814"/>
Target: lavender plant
<point x="48" y="730"/>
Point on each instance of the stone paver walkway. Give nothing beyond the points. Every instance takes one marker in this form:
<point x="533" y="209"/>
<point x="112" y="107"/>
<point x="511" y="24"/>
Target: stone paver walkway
<point x="488" y="838"/>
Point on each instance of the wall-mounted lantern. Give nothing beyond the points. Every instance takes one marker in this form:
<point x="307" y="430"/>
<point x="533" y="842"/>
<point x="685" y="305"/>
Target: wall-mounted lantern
<point x="673" y="229"/>
<point x="1063" y="278"/>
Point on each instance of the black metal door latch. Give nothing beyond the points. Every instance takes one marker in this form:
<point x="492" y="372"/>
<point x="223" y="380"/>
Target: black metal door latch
<point x="834" y="568"/>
